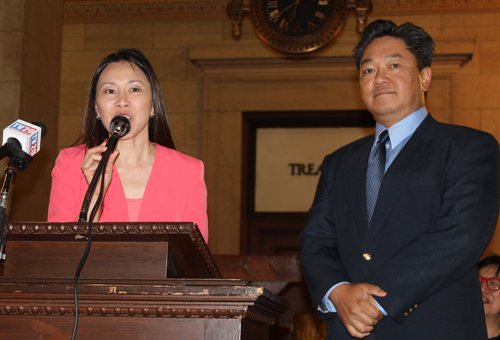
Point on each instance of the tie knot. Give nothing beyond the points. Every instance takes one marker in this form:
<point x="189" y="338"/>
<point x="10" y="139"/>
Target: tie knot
<point x="384" y="137"/>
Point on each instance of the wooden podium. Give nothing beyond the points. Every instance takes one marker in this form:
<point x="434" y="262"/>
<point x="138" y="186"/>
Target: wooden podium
<point x="141" y="281"/>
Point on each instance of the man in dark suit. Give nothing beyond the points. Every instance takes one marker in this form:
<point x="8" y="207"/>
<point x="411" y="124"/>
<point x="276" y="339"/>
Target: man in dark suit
<point x="400" y="218"/>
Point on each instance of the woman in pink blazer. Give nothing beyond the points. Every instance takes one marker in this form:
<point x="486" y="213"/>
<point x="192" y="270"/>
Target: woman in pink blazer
<point x="146" y="180"/>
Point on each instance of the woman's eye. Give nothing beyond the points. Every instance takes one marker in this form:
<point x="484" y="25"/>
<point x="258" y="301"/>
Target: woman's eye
<point x="135" y="89"/>
<point x="368" y="71"/>
<point x="109" y="91"/>
<point x="395" y="65"/>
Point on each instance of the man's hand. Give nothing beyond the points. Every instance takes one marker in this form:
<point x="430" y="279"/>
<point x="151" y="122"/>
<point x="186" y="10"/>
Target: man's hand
<point x="356" y="307"/>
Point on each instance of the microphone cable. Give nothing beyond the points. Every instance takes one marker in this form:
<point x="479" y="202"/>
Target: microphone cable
<point x="87" y="251"/>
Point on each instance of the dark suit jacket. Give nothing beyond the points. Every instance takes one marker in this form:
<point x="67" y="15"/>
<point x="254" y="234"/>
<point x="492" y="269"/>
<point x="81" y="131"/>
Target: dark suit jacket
<point x="436" y="212"/>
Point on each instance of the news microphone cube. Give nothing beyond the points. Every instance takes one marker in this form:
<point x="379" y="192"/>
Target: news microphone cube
<point x="27" y="134"/>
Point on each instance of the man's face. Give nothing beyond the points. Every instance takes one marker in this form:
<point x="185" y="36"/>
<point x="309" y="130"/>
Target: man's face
<point x="392" y="87"/>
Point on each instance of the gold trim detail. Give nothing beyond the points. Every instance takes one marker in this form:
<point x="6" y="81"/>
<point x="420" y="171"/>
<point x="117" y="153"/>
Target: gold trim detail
<point x="98" y="9"/>
<point x="93" y="9"/>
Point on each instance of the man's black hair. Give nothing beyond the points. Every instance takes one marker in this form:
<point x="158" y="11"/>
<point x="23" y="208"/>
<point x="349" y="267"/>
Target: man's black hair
<point x="416" y="40"/>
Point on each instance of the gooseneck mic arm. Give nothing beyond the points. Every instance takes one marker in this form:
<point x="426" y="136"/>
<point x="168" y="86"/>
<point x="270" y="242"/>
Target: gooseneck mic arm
<point x="119" y="127"/>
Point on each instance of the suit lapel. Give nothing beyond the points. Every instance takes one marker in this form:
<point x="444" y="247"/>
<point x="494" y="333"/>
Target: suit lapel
<point x="355" y="184"/>
<point x="401" y="170"/>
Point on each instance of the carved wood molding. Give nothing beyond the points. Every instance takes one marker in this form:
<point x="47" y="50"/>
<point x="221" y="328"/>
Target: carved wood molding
<point x="168" y="312"/>
<point x="194" y="298"/>
<point x="256" y="304"/>
<point x="262" y="317"/>
<point x="265" y="312"/>
<point x="80" y="230"/>
<point x="103" y="228"/>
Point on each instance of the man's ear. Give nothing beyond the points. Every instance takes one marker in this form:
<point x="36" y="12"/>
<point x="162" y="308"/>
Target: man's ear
<point x="426" y="74"/>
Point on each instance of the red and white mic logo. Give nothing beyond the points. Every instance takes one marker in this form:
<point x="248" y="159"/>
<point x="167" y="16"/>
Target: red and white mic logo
<point x="27" y="134"/>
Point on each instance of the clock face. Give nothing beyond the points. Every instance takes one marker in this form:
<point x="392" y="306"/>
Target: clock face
<point x="298" y="27"/>
<point x="296" y="18"/>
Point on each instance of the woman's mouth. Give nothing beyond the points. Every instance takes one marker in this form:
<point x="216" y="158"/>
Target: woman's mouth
<point x="124" y="114"/>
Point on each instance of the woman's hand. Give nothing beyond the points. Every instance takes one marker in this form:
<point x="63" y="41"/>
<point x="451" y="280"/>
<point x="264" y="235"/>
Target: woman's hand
<point x="89" y="167"/>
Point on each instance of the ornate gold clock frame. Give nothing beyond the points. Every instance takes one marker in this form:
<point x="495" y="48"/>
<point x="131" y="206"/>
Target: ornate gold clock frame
<point x="296" y="27"/>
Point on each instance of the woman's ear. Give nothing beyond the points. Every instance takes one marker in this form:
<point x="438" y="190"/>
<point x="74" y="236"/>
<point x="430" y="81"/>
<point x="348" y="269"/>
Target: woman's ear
<point x="97" y="115"/>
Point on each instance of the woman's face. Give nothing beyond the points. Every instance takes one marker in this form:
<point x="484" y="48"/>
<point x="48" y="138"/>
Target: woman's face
<point x="491" y="299"/>
<point x="123" y="89"/>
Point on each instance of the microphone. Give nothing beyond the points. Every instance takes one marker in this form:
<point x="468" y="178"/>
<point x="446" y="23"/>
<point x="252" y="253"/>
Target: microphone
<point x="21" y="141"/>
<point x="27" y="134"/>
<point x="119" y="127"/>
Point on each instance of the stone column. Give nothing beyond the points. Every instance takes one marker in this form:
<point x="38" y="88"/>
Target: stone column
<point x="30" y="61"/>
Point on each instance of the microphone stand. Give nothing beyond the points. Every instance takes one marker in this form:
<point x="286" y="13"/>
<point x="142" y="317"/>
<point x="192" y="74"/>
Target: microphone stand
<point x="120" y="126"/>
<point x="19" y="160"/>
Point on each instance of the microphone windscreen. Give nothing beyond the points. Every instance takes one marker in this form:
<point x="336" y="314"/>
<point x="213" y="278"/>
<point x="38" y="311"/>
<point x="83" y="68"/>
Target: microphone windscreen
<point x="28" y="134"/>
<point x="120" y="125"/>
<point x="42" y="125"/>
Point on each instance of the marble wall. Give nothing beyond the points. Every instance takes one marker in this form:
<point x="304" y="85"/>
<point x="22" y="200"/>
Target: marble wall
<point x="208" y="79"/>
<point x="30" y="62"/>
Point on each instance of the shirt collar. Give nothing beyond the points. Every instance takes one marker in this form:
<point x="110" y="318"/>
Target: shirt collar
<point x="404" y="128"/>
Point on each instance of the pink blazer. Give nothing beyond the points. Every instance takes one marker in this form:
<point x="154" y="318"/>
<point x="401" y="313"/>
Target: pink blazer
<point x="175" y="192"/>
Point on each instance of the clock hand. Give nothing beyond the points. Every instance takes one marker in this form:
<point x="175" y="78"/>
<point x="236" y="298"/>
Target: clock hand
<point x="292" y="16"/>
<point x="277" y="15"/>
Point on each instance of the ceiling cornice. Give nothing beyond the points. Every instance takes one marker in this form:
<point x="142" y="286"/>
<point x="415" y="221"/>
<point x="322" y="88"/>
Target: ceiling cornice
<point x="121" y="11"/>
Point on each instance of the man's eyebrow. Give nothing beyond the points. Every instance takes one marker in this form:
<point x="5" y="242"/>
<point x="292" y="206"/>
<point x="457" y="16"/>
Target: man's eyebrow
<point x="393" y="56"/>
<point x="390" y="56"/>
<point x="366" y="61"/>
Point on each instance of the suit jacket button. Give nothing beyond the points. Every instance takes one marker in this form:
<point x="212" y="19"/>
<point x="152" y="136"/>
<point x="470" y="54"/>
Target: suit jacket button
<point x="411" y="310"/>
<point x="416" y="306"/>
<point x="406" y="313"/>
<point x="367" y="256"/>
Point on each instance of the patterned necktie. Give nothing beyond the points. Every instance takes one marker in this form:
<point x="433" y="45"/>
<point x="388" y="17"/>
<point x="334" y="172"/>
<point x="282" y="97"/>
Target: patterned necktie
<point x="375" y="173"/>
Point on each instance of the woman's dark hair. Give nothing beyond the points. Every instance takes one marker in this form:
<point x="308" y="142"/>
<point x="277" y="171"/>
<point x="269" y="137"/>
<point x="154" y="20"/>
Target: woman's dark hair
<point x="416" y="40"/>
<point x="491" y="260"/>
<point x="94" y="133"/>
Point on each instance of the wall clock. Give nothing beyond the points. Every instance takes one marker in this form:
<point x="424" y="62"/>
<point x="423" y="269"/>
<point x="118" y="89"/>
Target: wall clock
<point x="296" y="27"/>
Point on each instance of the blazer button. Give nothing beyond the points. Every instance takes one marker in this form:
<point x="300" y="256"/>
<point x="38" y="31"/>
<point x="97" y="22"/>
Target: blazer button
<point x="416" y="306"/>
<point x="411" y="310"/>
<point x="406" y="313"/>
<point x="367" y="256"/>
